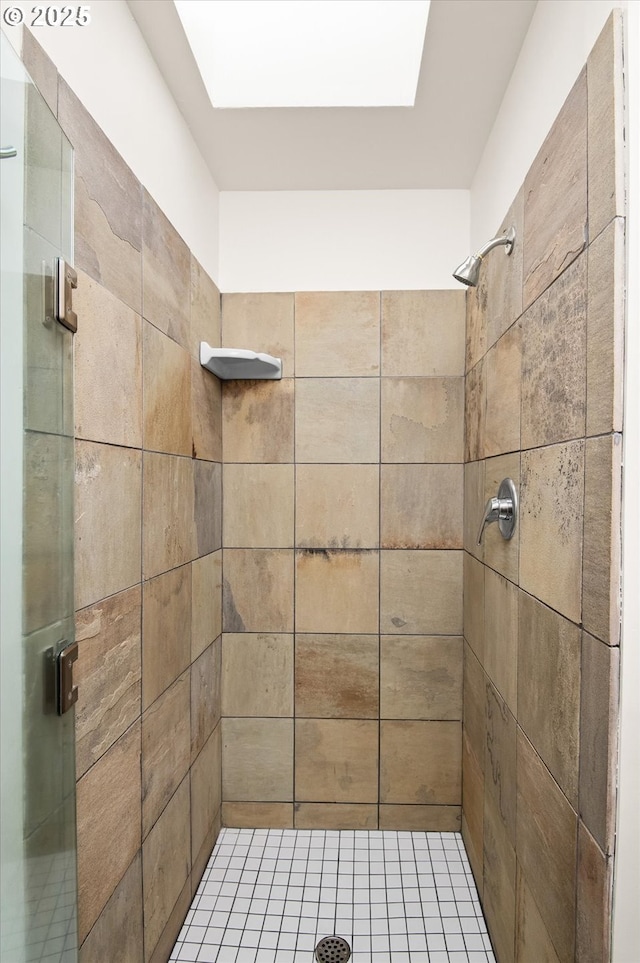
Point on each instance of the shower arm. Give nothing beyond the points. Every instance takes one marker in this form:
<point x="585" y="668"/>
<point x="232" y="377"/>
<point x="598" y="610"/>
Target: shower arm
<point x="507" y="239"/>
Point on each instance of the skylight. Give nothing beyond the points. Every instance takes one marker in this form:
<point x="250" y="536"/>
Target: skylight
<point x="307" y="53"/>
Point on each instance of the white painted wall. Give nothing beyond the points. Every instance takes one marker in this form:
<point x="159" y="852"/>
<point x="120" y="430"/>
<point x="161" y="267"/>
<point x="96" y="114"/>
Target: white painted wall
<point x="110" y="68"/>
<point x="558" y="42"/>
<point x="341" y="240"/>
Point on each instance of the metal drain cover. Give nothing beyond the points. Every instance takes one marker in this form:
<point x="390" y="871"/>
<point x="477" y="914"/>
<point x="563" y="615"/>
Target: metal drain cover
<point x="333" y="949"/>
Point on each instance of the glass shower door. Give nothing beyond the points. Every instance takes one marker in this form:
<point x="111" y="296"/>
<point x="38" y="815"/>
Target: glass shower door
<point x="38" y="831"/>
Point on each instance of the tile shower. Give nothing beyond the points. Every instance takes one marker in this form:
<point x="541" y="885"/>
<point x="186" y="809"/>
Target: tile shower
<point x="328" y="685"/>
<point x="342" y="598"/>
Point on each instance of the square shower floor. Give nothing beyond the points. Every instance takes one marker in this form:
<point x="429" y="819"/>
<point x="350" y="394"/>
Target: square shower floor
<point x="270" y="895"/>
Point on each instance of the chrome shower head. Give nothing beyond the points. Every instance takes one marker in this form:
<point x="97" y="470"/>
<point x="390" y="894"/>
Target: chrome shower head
<point x="469" y="271"/>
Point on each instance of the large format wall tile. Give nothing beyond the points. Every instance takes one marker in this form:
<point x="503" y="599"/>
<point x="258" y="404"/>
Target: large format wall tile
<point x="108" y="205"/>
<point x="420" y="762"/>
<point x="549" y="690"/>
<point x="336" y="816"/>
<point x="108" y="367"/>
<point x="206" y="413"/>
<point x="117" y="934"/>
<point x="422" y="420"/>
<point x="476" y="323"/>
<point x="257" y="510"/>
<point x="258" y="815"/>
<point x="174" y="922"/>
<point x="337" y="676"/>
<point x="411" y="818"/>
<point x="108" y="519"/>
<point x="601" y="573"/>
<point x="555" y="197"/>
<point x="473" y="508"/>
<point x="421" y="592"/>
<point x="207" y="506"/>
<point x="475" y="403"/>
<point x="473" y="581"/>
<point x="337" y="334"/>
<point x="206" y="695"/>
<point x="257" y="421"/>
<point x="533" y="943"/>
<point x="337" y="405"/>
<point x="420" y="677"/>
<point x="257" y="590"/>
<point x="594" y="901"/>
<point x="206" y="392"/>
<point x="499" y="553"/>
<point x="206" y="792"/>
<point x="336" y="760"/>
<point x="500" y="765"/>
<point x="166" y="631"/>
<point x="108" y="806"/>
<point x="503" y="384"/>
<point x="167" y="393"/>
<point x="552" y="500"/>
<point x="165" y="749"/>
<point x="546" y="845"/>
<point x="472" y="823"/>
<point x="605" y="103"/>
<point x="257" y="675"/>
<point x="605" y="330"/>
<point x="501" y="635"/>
<point x="337" y="506"/>
<point x="474" y="705"/>
<point x="168" y="532"/>
<point x="129" y="629"/>
<point x="496" y="301"/>
<point x="600" y="684"/>
<point x="257" y="760"/>
<point x="338" y="420"/>
<point x="206" y="321"/>
<point x="261" y="322"/>
<point x="554" y="344"/>
<point x="336" y="591"/>
<point x="415" y="502"/>
<point x="166" y="864"/>
<point x="107" y="674"/>
<point x="502" y="276"/>
<point x="423" y="332"/>
<point x="499" y="885"/>
<point x="542" y="614"/>
<point x="166" y="288"/>
<point x="206" y="601"/>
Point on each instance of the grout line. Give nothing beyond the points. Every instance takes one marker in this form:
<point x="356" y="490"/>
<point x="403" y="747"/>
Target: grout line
<point x="410" y="853"/>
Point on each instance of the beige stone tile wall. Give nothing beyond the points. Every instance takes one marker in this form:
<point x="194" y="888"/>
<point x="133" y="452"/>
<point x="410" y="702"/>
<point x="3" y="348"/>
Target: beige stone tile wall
<point x="541" y="612"/>
<point x="148" y="555"/>
<point x="342" y="560"/>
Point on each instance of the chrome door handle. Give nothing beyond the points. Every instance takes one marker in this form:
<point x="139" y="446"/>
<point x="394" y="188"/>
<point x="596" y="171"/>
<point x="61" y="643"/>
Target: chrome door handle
<point x="503" y="509"/>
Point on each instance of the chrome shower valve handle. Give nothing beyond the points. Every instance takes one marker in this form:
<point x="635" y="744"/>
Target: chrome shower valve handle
<point x="502" y="509"/>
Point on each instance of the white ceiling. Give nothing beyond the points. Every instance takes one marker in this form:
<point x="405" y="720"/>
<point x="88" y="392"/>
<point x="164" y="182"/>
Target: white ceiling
<point x="471" y="47"/>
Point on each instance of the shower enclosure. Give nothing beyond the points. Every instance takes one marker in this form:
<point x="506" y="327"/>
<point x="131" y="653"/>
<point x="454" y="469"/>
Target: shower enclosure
<point x="38" y="842"/>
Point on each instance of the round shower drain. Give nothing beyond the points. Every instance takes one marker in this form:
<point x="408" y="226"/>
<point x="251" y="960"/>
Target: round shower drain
<point x="333" y="949"/>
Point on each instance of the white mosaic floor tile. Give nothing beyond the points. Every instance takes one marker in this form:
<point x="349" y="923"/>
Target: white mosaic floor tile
<point x="269" y="896"/>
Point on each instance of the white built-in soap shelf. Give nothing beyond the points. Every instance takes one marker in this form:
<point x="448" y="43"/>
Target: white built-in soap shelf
<point x="230" y="363"/>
